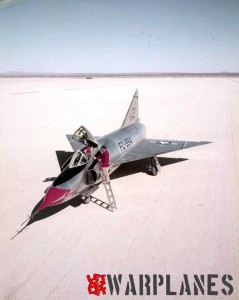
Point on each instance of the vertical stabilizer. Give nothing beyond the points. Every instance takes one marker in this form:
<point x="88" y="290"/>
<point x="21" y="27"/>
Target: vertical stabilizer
<point x="132" y="113"/>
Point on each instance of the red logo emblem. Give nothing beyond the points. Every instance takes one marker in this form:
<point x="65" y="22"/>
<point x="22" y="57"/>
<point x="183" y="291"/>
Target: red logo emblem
<point x="96" y="284"/>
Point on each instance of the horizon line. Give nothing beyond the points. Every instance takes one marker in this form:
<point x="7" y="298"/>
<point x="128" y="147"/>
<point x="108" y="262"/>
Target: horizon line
<point x="113" y="74"/>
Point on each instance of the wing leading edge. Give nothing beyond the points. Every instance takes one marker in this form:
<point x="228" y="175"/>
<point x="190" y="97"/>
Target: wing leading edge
<point x="150" y="147"/>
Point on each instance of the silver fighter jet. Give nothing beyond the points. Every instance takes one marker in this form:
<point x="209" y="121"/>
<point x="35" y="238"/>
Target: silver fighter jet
<point x="81" y="173"/>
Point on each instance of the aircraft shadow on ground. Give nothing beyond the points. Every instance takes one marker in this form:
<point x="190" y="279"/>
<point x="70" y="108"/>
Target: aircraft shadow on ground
<point x="49" y="211"/>
<point x="124" y="170"/>
<point x="63" y="156"/>
<point x="140" y="166"/>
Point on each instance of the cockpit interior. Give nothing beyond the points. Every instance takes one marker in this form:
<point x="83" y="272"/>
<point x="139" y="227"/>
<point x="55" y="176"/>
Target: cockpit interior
<point x="78" y="159"/>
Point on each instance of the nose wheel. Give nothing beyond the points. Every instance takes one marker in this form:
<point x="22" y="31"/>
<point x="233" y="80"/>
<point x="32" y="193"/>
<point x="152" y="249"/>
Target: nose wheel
<point x="86" y="200"/>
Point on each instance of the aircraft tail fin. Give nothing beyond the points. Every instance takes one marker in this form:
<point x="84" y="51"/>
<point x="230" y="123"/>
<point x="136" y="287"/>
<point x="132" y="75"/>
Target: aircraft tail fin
<point x="132" y="113"/>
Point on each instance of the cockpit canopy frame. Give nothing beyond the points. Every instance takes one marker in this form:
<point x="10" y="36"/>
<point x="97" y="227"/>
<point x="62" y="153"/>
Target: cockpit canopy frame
<point x="78" y="159"/>
<point x="83" y="135"/>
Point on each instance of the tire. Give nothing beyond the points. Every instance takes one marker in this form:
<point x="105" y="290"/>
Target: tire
<point x="86" y="200"/>
<point x="154" y="171"/>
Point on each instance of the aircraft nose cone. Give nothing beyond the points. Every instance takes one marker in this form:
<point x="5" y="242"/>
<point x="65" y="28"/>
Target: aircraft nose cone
<point x="54" y="196"/>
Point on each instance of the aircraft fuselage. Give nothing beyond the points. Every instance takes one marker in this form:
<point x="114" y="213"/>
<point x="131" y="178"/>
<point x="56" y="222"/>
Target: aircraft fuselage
<point x="72" y="181"/>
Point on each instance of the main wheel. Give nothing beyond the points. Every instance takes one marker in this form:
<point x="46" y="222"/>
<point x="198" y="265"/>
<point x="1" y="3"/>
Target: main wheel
<point x="154" y="171"/>
<point x="151" y="170"/>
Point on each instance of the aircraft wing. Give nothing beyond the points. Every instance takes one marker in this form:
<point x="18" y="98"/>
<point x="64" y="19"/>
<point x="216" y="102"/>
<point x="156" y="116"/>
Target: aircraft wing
<point x="150" y="147"/>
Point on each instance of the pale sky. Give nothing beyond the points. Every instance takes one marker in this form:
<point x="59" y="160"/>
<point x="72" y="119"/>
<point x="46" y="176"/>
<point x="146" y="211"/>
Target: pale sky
<point x="119" y="36"/>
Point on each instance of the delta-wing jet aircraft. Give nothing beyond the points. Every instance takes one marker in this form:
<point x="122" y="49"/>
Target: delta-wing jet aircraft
<point x="81" y="173"/>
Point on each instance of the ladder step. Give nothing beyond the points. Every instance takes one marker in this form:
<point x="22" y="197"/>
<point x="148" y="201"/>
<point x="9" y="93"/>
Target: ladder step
<point x="110" y="196"/>
<point x="101" y="203"/>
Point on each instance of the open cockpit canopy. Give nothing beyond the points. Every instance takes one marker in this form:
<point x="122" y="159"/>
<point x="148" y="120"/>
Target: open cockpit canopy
<point x="82" y="135"/>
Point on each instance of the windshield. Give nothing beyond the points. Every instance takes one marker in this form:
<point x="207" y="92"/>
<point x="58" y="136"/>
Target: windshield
<point x="78" y="159"/>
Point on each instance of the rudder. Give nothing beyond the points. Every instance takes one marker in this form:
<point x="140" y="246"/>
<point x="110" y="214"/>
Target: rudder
<point x="132" y="113"/>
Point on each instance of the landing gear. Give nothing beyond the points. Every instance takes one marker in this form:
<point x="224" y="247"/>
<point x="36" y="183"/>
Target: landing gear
<point x="77" y="201"/>
<point x="86" y="200"/>
<point x="154" y="167"/>
<point x="154" y="171"/>
<point x="151" y="170"/>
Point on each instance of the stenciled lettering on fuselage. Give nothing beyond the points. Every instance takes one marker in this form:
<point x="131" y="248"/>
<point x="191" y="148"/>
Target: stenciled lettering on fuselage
<point x="125" y="143"/>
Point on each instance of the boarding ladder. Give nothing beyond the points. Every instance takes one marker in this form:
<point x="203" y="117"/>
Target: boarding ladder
<point x="110" y="196"/>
